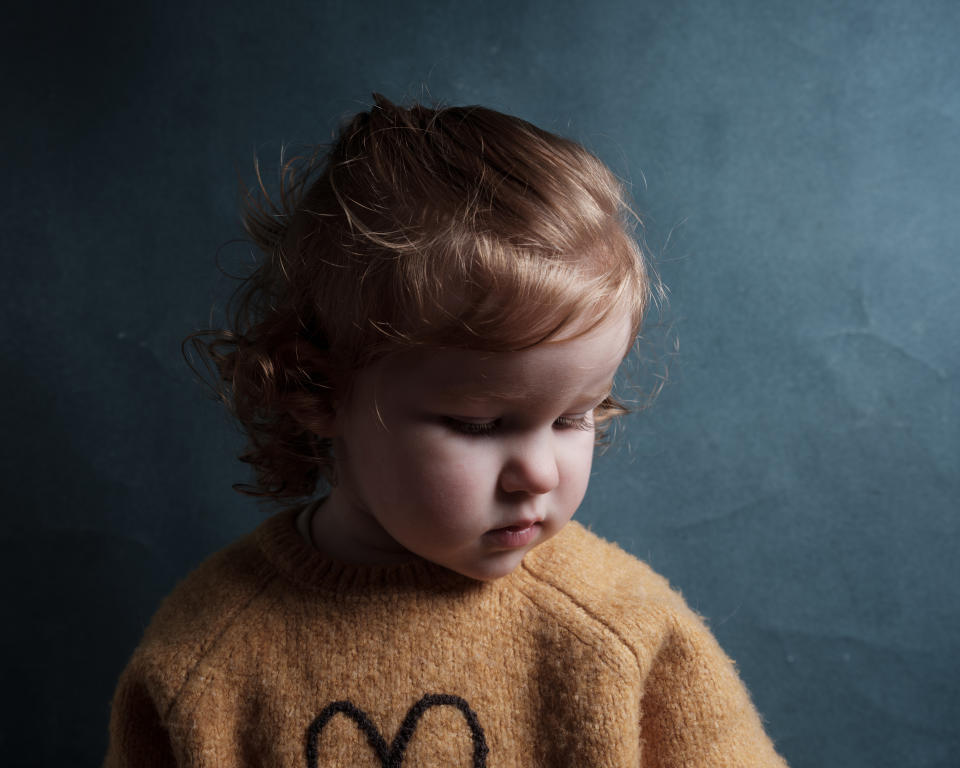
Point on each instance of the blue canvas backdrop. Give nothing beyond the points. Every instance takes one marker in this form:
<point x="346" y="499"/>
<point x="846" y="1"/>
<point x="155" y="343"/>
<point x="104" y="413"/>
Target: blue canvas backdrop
<point x="796" y="167"/>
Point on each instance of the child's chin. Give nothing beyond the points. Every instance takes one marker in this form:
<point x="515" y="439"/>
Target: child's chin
<point x="495" y="568"/>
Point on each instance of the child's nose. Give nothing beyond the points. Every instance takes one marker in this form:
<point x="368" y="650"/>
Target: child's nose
<point x="531" y="466"/>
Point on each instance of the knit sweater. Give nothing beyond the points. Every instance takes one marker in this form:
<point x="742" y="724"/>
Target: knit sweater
<point x="269" y="654"/>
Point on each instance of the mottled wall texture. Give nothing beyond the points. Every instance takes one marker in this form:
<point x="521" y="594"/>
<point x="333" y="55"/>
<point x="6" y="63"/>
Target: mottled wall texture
<point x="798" y="168"/>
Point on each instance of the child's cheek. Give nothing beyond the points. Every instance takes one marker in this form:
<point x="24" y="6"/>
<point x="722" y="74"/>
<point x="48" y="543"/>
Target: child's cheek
<point x="575" y="464"/>
<point x="448" y="474"/>
<point x="456" y="463"/>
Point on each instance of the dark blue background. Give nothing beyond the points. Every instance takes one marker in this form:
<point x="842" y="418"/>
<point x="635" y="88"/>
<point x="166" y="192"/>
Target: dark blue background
<point x="797" y="165"/>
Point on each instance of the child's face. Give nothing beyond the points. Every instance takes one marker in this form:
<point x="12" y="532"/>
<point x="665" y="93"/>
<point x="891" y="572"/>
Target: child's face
<point x="468" y="459"/>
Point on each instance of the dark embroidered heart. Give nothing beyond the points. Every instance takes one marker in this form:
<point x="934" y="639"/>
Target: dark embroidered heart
<point x="392" y="756"/>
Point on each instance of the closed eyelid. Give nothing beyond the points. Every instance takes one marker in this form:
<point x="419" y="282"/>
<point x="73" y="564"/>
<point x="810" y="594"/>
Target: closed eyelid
<point x="580" y="421"/>
<point x="454" y="417"/>
<point x="495" y="403"/>
<point x="486" y="412"/>
<point x="485" y="428"/>
<point x="477" y="428"/>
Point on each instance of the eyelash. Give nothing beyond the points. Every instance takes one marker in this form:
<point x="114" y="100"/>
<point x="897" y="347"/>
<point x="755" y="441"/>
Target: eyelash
<point x="484" y="428"/>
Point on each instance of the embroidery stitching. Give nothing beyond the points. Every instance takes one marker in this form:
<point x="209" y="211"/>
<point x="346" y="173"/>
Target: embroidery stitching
<point x="392" y="756"/>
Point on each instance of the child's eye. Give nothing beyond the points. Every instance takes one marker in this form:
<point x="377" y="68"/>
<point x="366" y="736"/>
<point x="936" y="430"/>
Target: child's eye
<point x="583" y="421"/>
<point x="470" y="427"/>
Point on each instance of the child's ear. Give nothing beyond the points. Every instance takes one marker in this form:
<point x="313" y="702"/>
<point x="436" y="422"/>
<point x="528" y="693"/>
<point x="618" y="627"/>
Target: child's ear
<point x="311" y="403"/>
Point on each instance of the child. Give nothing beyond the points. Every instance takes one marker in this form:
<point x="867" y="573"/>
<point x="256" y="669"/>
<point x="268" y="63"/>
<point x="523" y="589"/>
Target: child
<point x="433" y="333"/>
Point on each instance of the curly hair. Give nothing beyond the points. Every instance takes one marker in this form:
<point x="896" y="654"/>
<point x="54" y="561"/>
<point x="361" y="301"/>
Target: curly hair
<point x="449" y="226"/>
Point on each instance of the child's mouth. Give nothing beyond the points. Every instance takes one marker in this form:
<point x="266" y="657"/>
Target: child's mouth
<point x="512" y="536"/>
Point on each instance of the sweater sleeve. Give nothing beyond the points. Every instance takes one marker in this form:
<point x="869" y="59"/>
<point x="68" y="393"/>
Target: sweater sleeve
<point x="138" y="735"/>
<point x="695" y="711"/>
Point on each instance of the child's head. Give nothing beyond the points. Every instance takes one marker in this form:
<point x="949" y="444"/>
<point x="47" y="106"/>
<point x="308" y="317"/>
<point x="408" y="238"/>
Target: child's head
<point x="420" y="229"/>
<point x="464" y="457"/>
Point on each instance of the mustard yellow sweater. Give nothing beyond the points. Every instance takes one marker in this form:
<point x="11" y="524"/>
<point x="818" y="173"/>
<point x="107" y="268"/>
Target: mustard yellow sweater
<point x="270" y="655"/>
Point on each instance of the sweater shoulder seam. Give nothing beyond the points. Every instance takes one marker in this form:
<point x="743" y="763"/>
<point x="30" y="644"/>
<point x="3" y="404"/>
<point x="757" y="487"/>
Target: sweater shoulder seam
<point x="604" y="655"/>
<point x="588" y="612"/>
<point x="214" y="639"/>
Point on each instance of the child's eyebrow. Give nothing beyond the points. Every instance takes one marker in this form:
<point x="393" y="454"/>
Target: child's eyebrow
<point x="471" y="393"/>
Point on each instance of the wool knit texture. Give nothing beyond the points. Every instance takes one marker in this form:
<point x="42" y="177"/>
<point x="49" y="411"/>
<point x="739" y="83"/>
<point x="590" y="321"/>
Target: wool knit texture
<point x="269" y="654"/>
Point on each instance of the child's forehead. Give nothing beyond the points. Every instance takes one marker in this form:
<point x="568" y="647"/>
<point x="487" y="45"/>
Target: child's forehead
<point x="581" y="367"/>
<point x="464" y="388"/>
<point x="478" y="394"/>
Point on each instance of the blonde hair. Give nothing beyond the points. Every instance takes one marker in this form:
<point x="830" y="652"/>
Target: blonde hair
<point x="455" y="226"/>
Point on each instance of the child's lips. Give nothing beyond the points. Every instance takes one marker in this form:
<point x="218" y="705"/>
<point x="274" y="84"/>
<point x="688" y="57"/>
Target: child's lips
<point x="516" y="535"/>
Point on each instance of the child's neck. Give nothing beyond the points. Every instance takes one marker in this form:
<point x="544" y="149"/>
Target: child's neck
<point x="347" y="533"/>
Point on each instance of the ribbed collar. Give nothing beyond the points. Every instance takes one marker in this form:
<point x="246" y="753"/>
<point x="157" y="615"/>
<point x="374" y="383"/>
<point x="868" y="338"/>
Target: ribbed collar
<point x="284" y="547"/>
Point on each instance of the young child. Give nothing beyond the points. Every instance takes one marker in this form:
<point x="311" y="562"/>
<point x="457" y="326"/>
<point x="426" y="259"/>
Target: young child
<point x="432" y="334"/>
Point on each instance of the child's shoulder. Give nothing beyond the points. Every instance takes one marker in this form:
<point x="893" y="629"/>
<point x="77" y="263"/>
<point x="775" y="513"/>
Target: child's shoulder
<point x="580" y="562"/>
<point x="192" y="623"/>
<point x="205" y="603"/>
<point x="592" y="580"/>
